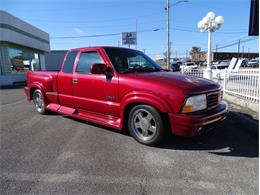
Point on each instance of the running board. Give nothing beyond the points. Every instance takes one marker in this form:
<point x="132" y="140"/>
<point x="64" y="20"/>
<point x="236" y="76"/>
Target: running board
<point x="61" y="109"/>
<point x="101" y="119"/>
<point x="53" y="107"/>
<point x="106" y="120"/>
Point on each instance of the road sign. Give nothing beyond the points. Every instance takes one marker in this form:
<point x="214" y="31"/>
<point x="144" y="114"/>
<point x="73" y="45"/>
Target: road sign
<point x="129" y="38"/>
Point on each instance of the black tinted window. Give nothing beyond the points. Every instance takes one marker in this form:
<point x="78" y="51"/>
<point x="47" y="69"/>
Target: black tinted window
<point x="69" y="62"/>
<point x="128" y="60"/>
<point x="86" y="60"/>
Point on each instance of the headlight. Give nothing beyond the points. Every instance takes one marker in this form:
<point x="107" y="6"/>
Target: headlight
<point x="195" y="103"/>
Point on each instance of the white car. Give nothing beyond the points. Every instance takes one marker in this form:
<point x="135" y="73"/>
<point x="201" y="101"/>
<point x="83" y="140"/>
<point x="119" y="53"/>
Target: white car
<point x="219" y="66"/>
<point x="190" y="66"/>
<point x="253" y="63"/>
<point x="225" y="62"/>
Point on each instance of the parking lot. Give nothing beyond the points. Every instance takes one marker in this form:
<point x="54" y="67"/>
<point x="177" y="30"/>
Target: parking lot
<point x="53" y="154"/>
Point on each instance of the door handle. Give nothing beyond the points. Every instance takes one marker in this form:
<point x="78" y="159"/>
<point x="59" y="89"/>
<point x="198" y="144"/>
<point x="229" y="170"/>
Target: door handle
<point x="74" y="80"/>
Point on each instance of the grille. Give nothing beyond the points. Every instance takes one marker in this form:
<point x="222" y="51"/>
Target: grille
<point x="213" y="99"/>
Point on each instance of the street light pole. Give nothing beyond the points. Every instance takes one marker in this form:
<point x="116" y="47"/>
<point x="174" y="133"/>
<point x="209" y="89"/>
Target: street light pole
<point x="209" y="51"/>
<point x="210" y="23"/>
<point x="168" y="34"/>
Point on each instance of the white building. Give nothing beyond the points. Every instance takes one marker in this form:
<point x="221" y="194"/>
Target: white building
<point x="22" y="48"/>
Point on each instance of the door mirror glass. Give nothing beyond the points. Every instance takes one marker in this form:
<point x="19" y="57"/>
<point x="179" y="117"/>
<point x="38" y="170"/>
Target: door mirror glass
<point x="102" y="69"/>
<point x="98" y="69"/>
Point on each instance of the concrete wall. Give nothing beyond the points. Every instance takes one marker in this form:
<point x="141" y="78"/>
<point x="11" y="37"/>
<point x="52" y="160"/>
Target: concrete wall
<point x="12" y="79"/>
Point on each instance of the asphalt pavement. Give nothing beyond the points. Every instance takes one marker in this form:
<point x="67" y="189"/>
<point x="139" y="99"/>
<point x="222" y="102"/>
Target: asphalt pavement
<point x="53" y="154"/>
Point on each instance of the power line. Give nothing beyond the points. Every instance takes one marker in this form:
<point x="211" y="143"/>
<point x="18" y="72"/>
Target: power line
<point x="232" y="44"/>
<point x="103" y="35"/>
<point x="85" y="36"/>
<point x="196" y="31"/>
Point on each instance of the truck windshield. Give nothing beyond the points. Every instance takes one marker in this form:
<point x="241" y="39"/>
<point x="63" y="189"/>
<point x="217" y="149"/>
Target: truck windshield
<point x="128" y="60"/>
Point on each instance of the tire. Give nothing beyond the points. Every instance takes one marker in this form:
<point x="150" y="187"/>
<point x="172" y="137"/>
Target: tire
<point x="145" y="125"/>
<point x="39" y="102"/>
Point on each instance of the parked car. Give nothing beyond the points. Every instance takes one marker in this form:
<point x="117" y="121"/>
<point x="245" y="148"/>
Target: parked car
<point x="119" y="87"/>
<point x="175" y="67"/>
<point x="216" y="62"/>
<point x="225" y="62"/>
<point x="244" y="62"/>
<point x="190" y="66"/>
<point x="219" y="66"/>
<point x="253" y="63"/>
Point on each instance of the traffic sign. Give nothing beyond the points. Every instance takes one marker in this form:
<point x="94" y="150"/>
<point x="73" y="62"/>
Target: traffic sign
<point x="129" y="38"/>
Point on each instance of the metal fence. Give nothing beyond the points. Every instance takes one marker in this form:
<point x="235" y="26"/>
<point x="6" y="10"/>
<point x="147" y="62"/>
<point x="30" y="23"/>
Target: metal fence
<point x="243" y="83"/>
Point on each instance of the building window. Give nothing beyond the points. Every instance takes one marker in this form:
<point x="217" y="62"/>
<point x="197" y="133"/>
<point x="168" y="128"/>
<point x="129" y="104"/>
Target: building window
<point x="23" y="60"/>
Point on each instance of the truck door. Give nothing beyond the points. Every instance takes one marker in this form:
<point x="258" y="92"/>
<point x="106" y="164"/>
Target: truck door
<point x="93" y="92"/>
<point x="65" y="80"/>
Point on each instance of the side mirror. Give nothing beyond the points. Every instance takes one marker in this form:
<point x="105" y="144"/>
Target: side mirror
<point x="98" y="69"/>
<point x="101" y="69"/>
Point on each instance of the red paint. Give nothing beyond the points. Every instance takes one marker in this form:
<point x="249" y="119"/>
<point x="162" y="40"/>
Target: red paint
<point x="102" y="100"/>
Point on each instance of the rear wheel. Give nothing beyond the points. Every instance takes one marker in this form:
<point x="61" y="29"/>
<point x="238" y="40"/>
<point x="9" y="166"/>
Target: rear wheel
<point x="38" y="101"/>
<point x="145" y="124"/>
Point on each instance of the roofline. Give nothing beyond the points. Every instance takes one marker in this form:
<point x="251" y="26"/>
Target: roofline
<point x="99" y="47"/>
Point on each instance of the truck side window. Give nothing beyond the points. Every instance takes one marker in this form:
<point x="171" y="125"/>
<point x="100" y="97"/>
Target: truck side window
<point x="86" y="60"/>
<point x="69" y="62"/>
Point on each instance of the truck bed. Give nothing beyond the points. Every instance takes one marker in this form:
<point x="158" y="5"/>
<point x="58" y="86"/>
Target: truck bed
<point x="48" y="79"/>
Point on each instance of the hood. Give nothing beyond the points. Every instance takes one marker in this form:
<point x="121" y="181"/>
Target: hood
<point x="188" y="84"/>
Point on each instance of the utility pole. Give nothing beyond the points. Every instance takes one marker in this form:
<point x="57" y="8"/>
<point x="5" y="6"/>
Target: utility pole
<point x="216" y="48"/>
<point x="238" y="48"/>
<point x="136" y="22"/>
<point x="187" y="54"/>
<point x="168" y="33"/>
<point x="243" y="51"/>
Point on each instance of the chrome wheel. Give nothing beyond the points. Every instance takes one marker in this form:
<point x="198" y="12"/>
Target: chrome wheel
<point x="39" y="101"/>
<point x="144" y="125"/>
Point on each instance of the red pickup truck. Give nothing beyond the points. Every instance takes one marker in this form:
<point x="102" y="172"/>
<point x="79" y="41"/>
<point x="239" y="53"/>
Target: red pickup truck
<point x="117" y="86"/>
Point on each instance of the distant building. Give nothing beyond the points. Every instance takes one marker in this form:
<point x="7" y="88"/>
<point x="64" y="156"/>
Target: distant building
<point x="22" y="47"/>
<point x="202" y="56"/>
<point x="199" y="56"/>
<point x="230" y="55"/>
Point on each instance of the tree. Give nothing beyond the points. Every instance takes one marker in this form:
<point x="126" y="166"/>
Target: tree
<point x="196" y="54"/>
<point x="195" y="50"/>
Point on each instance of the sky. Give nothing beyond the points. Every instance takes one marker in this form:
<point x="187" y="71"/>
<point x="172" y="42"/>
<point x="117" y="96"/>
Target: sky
<point x="74" y="18"/>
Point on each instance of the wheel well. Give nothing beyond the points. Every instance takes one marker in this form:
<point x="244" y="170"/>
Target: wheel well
<point x="31" y="92"/>
<point x="130" y="106"/>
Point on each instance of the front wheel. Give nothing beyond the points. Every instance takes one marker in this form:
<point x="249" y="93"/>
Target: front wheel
<point x="145" y="124"/>
<point x="38" y="101"/>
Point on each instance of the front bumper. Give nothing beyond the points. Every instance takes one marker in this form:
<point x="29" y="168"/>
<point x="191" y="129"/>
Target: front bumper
<point x="192" y="124"/>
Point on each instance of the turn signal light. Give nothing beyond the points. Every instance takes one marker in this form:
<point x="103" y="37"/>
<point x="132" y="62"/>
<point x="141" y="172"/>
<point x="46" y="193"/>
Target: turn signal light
<point x="187" y="108"/>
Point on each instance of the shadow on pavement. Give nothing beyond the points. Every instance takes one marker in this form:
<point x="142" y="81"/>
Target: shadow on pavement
<point x="236" y="136"/>
<point x="17" y="86"/>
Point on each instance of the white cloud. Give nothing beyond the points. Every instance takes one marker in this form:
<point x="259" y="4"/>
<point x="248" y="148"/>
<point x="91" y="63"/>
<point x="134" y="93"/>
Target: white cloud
<point x="77" y="30"/>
